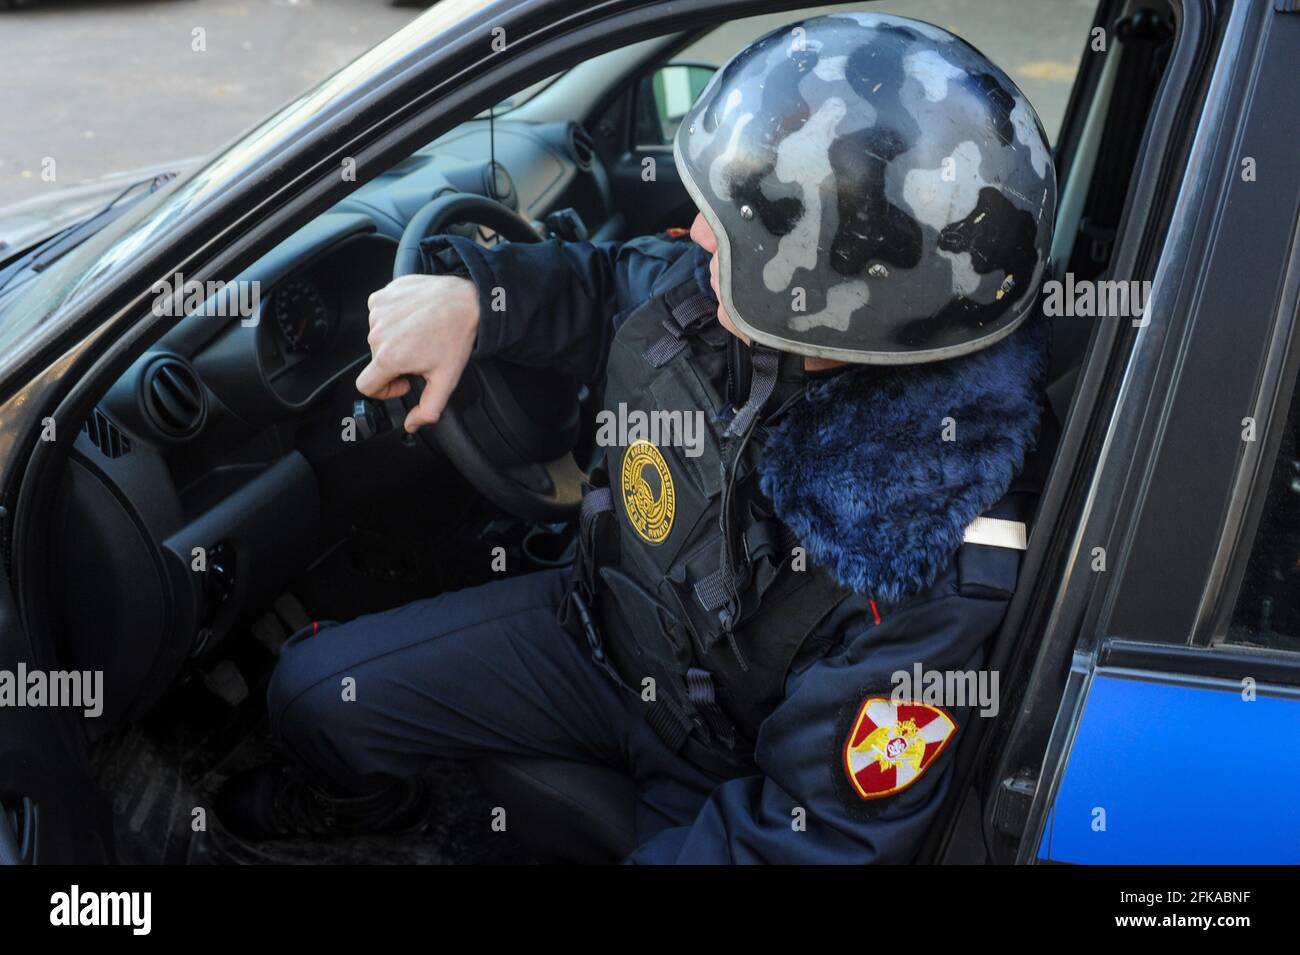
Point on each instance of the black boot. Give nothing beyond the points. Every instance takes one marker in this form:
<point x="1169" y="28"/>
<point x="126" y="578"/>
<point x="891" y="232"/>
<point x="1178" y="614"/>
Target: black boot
<point x="276" y="801"/>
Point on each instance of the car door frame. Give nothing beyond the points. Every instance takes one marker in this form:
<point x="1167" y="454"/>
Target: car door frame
<point x="1166" y="584"/>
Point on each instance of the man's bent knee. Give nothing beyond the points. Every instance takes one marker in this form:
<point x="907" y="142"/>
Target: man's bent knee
<point x="299" y="698"/>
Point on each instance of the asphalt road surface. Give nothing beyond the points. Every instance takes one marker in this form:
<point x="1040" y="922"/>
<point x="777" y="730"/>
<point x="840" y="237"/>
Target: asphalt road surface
<point x="108" y="87"/>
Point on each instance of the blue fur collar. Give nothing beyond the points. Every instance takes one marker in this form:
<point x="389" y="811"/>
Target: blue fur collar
<point x="859" y="470"/>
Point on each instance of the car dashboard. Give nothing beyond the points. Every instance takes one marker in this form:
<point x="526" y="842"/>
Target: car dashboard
<point x="193" y="494"/>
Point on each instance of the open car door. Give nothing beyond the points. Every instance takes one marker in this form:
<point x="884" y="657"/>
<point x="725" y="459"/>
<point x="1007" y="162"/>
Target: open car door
<point x="50" y="810"/>
<point x="1161" y="718"/>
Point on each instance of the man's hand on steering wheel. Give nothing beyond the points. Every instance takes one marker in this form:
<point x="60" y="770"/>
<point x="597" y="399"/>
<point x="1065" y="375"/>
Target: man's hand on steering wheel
<point x="420" y="325"/>
<point x="509" y="429"/>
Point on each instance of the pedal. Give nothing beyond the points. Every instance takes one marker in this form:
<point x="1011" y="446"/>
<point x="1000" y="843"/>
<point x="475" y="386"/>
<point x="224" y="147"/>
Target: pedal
<point x="293" y="614"/>
<point x="270" y="633"/>
<point x="225" y="682"/>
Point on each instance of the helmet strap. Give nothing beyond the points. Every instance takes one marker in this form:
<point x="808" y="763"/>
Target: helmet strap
<point x="739" y="370"/>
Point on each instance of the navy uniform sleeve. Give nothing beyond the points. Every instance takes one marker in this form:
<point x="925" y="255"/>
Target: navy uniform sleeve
<point x="554" y="304"/>
<point x="804" y="808"/>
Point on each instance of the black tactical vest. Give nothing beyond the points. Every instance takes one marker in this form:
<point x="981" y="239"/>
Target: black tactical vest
<point x="702" y="625"/>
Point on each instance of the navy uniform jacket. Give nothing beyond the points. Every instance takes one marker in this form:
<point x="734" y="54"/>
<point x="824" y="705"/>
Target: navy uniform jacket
<point x="563" y="302"/>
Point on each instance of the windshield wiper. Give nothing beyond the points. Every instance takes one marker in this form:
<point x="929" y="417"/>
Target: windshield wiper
<point x="65" y="240"/>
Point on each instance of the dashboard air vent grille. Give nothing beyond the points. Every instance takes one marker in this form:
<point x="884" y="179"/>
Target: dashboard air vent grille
<point x="582" y="145"/>
<point x="173" y="398"/>
<point x="106" y="436"/>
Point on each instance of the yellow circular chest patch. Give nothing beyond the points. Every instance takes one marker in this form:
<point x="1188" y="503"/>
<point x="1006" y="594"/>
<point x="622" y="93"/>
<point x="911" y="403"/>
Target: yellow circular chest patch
<point x="648" y="495"/>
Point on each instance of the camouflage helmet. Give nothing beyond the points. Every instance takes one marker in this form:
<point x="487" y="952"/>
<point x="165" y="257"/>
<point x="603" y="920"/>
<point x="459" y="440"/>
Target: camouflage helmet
<point x="880" y="192"/>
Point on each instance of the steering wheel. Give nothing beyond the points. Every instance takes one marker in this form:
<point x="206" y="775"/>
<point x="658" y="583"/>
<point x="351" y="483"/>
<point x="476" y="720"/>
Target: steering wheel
<point x="509" y="429"/>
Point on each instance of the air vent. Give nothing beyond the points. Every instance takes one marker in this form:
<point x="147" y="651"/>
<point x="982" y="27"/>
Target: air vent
<point x="582" y="146"/>
<point x="106" y="436"/>
<point x="173" y="398"/>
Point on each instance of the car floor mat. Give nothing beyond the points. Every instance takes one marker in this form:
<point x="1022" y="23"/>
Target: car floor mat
<point x="151" y="801"/>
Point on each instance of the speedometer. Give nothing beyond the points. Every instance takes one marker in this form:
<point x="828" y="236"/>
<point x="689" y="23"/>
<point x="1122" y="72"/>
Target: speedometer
<point x="302" y="316"/>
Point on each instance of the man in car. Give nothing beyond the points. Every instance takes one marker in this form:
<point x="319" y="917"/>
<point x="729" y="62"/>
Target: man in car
<point x="751" y="632"/>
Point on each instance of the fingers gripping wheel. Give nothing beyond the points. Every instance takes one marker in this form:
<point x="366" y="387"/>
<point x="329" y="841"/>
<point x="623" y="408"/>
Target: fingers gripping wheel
<point x="510" y="430"/>
<point x="450" y="209"/>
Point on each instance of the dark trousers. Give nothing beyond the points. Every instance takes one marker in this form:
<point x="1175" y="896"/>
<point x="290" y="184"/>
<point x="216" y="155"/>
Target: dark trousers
<point x="484" y="670"/>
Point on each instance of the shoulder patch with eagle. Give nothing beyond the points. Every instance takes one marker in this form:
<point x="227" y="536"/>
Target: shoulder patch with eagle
<point x="892" y="744"/>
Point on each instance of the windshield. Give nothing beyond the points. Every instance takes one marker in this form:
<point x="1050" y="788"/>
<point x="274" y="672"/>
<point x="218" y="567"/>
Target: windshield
<point x="520" y="98"/>
<point x="125" y="239"/>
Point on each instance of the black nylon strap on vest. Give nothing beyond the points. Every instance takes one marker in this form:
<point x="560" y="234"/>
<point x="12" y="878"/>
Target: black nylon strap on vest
<point x="669" y="722"/>
<point x="594" y="501"/>
<point x="700" y="691"/>
<point x="763" y="540"/>
<point x="711" y="592"/>
<point x="688" y="317"/>
<point x="765" y="363"/>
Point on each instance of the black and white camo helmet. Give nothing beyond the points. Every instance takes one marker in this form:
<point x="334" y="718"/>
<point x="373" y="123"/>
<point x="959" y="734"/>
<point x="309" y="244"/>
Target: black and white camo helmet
<point x="880" y="192"/>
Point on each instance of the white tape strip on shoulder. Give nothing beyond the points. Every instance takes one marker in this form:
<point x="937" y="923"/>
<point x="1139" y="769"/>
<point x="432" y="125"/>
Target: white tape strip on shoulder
<point x="997" y="532"/>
